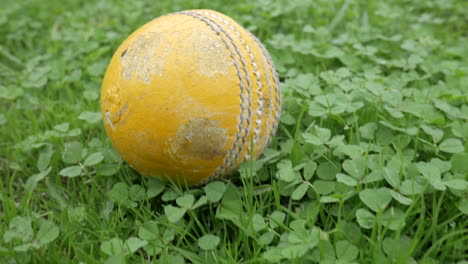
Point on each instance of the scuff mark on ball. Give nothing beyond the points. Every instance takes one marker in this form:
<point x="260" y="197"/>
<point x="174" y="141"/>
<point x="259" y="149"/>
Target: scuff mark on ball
<point x="112" y="118"/>
<point x="201" y="138"/>
<point x="145" y="56"/>
<point x="209" y="52"/>
<point x="109" y="120"/>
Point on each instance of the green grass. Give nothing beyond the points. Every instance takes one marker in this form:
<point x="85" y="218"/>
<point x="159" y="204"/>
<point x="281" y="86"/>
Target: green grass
<point x="369" y="165"/>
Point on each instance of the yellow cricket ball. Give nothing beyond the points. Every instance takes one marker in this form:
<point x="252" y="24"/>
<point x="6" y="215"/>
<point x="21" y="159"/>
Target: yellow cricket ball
<point x="185" y="95"/>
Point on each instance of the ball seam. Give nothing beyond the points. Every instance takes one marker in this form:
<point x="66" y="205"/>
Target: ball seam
<point x="278" y="101"/>
<point x="257" y="75"/>
<point x="233" y="153"/>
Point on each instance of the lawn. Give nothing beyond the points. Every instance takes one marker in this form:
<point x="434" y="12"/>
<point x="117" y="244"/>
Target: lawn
<point x="369" y="164"/>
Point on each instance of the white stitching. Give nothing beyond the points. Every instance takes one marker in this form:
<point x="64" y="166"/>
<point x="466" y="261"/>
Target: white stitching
<point x="244" y="137"/>
<point x="277" y="110"/>
<point x="236" y="149"/>
<point x="256" y="73"/>
<point x="234" y="157"/>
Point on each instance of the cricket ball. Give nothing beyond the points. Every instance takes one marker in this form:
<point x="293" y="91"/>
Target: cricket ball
<point x="190" y="96"/>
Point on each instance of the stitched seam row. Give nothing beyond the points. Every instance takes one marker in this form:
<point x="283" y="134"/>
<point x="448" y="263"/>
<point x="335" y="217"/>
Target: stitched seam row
<point x="257" y="75"/>
<point x="238" y="144"/>
<point x="278" y="102"/>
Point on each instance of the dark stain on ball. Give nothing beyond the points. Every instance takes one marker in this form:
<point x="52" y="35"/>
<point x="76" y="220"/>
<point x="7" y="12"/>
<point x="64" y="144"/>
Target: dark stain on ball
<point x="123" y="53"/>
